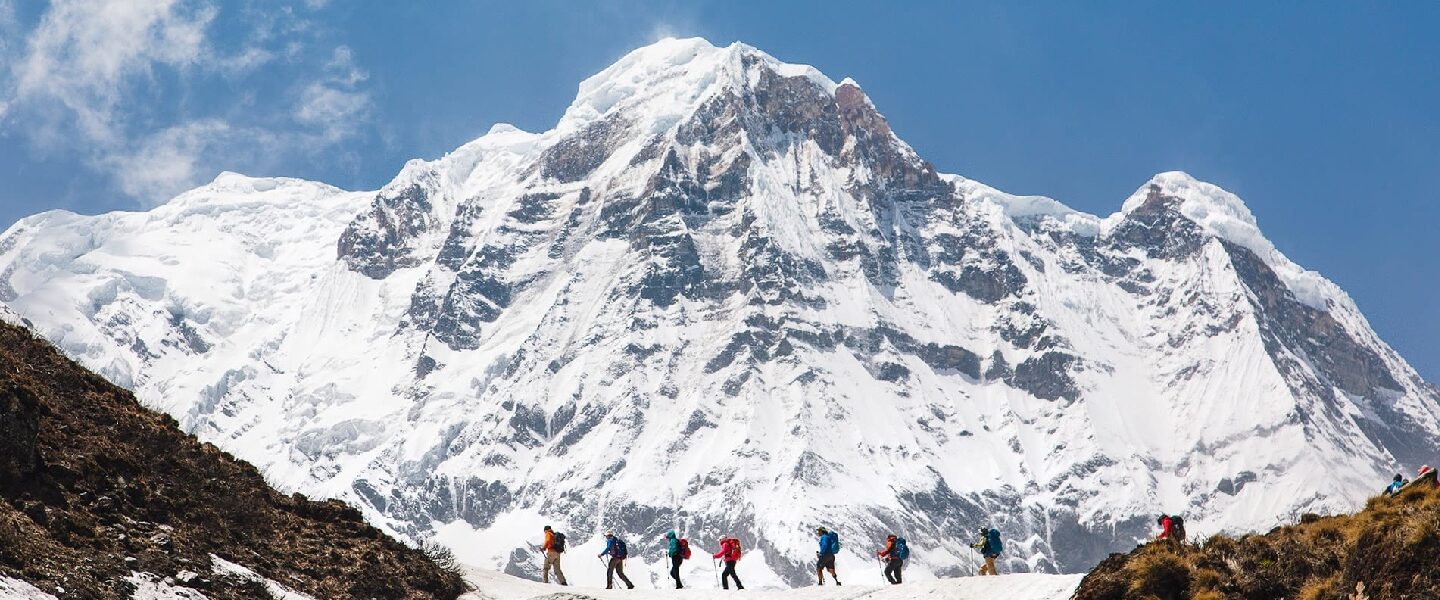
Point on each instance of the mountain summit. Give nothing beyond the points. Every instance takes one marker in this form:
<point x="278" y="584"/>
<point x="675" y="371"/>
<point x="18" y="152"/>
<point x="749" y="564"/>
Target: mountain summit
<point x="722" y="296"/>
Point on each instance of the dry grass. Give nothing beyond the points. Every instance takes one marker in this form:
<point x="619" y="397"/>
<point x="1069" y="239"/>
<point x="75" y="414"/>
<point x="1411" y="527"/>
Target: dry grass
<point x="1391" y="548"/>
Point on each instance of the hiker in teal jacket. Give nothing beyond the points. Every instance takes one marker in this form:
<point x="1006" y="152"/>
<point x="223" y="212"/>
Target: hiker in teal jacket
<point x="677" y="556"/>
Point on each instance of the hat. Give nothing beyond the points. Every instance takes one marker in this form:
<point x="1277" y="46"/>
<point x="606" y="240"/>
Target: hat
<point x="610" y="534"/>
<point x="892" y="536"/>
<point x="1398" y="477"/>
<point x="547" y="528"/>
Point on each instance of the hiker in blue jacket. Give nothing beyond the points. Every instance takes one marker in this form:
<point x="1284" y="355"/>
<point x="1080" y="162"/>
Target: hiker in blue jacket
<point x="825" y="558"/>
<point x="615" y="549"/>
<point x="1395" y="486"/>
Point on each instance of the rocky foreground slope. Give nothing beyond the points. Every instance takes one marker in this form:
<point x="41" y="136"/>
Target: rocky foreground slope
<point x="100" y="497"/>
<point x="723" y="296"/>
<point x="1389" y="551"/>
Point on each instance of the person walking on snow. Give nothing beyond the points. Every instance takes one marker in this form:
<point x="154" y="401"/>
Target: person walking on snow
<point x="894" y="559"/>
<point x="825" y="558"/>
<point x="677" y="551"/>
<point x="615" y="548"/>
<point x="730" y="554"/>
<point x="553" y="548"/>
<point x="989" y="547"/>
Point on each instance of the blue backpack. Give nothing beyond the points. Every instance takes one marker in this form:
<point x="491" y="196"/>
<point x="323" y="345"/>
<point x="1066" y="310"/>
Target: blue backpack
<point x="620" y="550"/>
<point x="834" y="542"/>
<point x="902" y="551"/>
<point x="995" y="546"/>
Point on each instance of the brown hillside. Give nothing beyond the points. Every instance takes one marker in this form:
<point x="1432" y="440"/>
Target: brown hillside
<point x="1390" y="550"/>
<point x="94" y="487"/>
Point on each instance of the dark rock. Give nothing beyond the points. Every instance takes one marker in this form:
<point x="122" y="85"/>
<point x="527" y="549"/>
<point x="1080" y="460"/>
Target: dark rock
<point x="1047" y="376"/>
<point x="578" y="155"/>
<point x="139" y="469"/>
<point x="380" y="241"/>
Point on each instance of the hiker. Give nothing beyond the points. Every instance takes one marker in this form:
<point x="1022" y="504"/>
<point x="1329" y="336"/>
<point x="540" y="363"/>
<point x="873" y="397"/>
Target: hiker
<point x="615" y="548"/>
<point x="829" y="547"/>
<point x="553" y="548"/>
<point x="679" y="552"/>
<point x="1395" y="485"/>
<point x="989" y="547"/>
<point x="1425" y="475"/>
<point x="894" y="555"/>
<point x="730" y="553"/>
<point x="1172" y="529"/>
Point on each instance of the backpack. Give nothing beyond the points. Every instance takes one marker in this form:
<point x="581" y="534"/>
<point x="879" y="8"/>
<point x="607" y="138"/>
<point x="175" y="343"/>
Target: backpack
<point x="735" y="548"/>
<point x="684" y="548"/>
<point x="620" y="550"/>
<point x="1177" y="528"/>
<point x="995" y="546"/>
<point x="558" y="543"/>
<point x="902" y="551"/>
<point x="834" y="546"/>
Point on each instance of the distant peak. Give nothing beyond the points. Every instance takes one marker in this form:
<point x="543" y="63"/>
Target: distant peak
<point x="230" y="181"/>
<point x="1201" y="201"/>
<point x="669" y="77"/>
<point x="503" y="128"/>
<point x="1225" y="216"/>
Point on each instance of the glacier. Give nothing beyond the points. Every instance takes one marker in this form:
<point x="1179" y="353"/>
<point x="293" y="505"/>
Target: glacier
<point x="722" y="296"/>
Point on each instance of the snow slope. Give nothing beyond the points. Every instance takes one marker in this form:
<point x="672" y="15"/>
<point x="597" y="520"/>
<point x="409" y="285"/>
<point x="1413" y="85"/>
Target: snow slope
<point x="490" y="585"/>
<point x="722" y="296"/>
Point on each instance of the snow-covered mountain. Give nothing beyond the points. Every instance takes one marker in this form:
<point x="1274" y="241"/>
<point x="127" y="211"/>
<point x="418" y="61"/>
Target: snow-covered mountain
<point x="722" y="296"/>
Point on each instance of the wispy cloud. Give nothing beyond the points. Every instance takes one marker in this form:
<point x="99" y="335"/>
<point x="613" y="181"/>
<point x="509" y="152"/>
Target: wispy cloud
<point x="335" y="106"/>
<point x="103" y="80"/>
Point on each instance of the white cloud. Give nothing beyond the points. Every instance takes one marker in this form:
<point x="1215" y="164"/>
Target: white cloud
<point x="81" y="57"/>
<point x="110" y="82"/>
<point x="333" y="105"/>
<point x="154" y="166"/>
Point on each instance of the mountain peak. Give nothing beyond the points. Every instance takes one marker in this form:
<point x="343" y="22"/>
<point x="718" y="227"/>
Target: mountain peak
<point x="1200" y="200"/>
<point x="667" y="79"/>
<point x="1223" y="215"/>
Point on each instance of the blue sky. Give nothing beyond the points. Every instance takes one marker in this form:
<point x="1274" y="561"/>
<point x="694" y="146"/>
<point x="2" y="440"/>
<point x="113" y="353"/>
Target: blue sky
<point x="1322" y="115"/>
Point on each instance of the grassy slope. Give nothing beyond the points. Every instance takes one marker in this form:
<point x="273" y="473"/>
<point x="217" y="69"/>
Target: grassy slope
<point x="94" y="487"/>
<point x="1390" y="550"/>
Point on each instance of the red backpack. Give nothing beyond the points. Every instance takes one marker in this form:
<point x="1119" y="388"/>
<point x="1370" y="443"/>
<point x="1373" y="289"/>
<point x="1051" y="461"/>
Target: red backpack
<point x="684" y="548"/>
<point x="734" y="550"/>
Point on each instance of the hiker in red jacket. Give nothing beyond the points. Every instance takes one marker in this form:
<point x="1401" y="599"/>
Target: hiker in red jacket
<point x="1172" y="529"/>
<point x="730" y="553"/>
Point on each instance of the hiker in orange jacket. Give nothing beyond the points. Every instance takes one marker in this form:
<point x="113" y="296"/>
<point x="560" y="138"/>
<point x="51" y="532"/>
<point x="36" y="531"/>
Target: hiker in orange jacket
<point x="553" y="548"/>
<point x="893" y="561"/>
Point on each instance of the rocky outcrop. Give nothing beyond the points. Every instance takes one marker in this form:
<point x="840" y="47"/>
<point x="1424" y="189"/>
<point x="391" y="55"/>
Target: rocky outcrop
<point x="93" y="488"/>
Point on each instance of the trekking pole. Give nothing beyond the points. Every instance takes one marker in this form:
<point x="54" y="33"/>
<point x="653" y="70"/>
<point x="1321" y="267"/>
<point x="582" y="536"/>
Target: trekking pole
<point x="715" y="568"/>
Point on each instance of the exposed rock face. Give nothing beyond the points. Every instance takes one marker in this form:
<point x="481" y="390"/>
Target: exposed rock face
<point x="93" y="488"/>
<point x="722" y="295"/>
